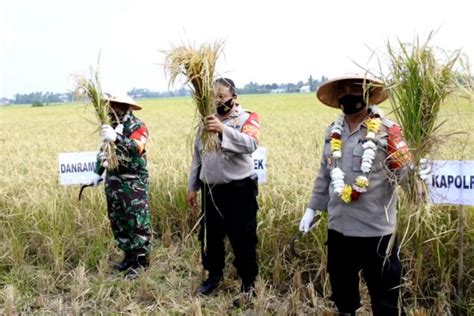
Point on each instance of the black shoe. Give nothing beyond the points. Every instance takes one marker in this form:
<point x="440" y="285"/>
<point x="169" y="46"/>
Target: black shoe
<point x="143" y="262"/>
<point x="140" y="264"/>
<point x="127" y="262"/>
<point x="208" y="286"/>
<point x="247" y="287"/>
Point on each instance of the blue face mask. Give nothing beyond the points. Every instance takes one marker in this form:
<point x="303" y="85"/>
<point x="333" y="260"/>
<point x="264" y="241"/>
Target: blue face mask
<point x="351" y="104"/>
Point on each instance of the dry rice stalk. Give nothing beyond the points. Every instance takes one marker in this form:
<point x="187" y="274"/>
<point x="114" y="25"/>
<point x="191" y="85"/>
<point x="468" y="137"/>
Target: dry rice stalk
<point x="91" y="89"/>
<point x="197" y="66"/>
<point x="8" y="295"/>
<point x="196" y="307"/>
<point x="420" y="80"/>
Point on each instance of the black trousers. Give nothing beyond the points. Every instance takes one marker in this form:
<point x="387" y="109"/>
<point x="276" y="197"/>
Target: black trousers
<point x="347" y="256"/>
<point x="230" y="209"/>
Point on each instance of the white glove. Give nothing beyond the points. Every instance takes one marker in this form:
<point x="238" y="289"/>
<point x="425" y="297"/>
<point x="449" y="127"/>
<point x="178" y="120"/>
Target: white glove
<point x="119" y="129"/>
<point x="96" y="180"/>
<point x="424" y="169"/>
<point x="307" y="218"/>
<point x="103" y="160"/>
<point x="108" y="134"/>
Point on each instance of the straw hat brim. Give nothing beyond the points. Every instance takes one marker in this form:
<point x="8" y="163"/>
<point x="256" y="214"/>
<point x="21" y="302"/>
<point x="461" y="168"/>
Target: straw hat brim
<point x="328" y="92"/>
<point x="123" y="100"/>
<point x="134" y="106"/>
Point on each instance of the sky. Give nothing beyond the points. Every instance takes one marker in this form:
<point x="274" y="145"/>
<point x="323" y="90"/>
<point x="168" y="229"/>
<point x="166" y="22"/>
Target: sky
<point x="43" y="43"/>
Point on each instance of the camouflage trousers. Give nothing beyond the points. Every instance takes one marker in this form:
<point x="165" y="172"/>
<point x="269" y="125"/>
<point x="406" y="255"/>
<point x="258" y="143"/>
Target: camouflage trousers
<point x="129" y="214"/>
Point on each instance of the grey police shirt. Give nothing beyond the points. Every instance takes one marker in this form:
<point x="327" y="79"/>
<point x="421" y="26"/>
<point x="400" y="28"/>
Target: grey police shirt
<point x="374" y="212"/>
<point x="231" y="161"/>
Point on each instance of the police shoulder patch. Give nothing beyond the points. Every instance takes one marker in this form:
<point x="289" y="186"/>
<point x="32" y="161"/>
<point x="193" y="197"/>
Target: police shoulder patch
<point x="252" y="126"/>
<point x="140" y="136"/>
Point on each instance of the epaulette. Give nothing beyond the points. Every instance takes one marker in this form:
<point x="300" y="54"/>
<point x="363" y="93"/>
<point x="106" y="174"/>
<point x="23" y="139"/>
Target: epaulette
<point x="249" y="114"/>
<point x="328" y="130"/>
<point x="388" y="123"/>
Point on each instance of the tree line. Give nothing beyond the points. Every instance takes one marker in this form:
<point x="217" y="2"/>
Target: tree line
<point x="45" y="98"/>
<point x="250" y="88"/>
<point x="255" y="88"/>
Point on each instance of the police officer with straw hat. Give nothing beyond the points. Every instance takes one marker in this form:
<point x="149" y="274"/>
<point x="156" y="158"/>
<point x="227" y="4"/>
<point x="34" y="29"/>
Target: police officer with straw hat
<point x="363" y="152"/>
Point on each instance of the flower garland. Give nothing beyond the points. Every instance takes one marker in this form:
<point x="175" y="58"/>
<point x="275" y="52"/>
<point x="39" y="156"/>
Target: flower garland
<point x="347" y="192"/>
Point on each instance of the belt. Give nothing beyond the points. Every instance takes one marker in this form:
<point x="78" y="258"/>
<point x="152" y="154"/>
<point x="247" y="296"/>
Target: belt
<point x="213" y="185"/>
<point x="125" y="176"/>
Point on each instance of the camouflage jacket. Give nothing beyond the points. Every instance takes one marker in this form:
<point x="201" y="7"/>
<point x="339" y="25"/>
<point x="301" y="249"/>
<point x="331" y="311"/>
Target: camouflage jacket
<point x="130" y="150"/>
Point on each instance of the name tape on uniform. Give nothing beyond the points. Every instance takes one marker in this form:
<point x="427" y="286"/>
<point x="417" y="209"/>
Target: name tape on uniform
<point x="76" y="168"/>
<point x="452" y="182"/>
<point x="260" y="163"/>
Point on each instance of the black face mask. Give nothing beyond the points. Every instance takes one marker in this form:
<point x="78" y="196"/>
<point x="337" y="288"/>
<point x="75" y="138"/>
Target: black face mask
<point x="351" y="104"/>
<point x="117" y="115"/>
<point x="224" y="108"/>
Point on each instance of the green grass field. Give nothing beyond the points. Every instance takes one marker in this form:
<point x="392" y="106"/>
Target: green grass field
<point x="56" y="252"/>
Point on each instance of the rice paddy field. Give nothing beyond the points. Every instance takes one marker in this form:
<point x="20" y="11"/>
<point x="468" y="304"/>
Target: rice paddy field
<point x="56" y="253"/>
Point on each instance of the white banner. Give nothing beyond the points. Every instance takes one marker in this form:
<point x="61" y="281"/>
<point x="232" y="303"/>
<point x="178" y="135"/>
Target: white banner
<point x="260" y="163"/>
<point x="77" y="168"/>
<point x="452" y="182"/>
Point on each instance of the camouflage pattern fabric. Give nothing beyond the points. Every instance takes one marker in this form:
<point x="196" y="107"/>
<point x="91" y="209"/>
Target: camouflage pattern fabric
<point x="126" y="189"/>
<point x="129" y="214"/>
<point x="130" y="148"/>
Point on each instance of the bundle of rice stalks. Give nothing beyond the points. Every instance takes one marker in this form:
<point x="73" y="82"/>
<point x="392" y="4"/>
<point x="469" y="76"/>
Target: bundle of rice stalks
<point x="197" y="66"/>
<point x="420" y="79"/>
<point x="90" y="88"/>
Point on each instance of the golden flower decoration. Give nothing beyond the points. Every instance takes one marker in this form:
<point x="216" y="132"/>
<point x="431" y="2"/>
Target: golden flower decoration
<point x="346" y="194"/>
<point x="362" y="182"/>
<point x="336" y="144"/>
<point x="373" y="124"/>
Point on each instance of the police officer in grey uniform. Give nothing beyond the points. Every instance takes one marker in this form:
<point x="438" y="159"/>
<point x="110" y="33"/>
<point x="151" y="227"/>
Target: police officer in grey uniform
<point x="228" y="190"/>
<point x="361" y="213"/>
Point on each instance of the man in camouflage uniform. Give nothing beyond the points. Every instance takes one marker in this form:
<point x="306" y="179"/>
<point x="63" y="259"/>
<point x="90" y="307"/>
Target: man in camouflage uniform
<point x="126" y="188"/>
